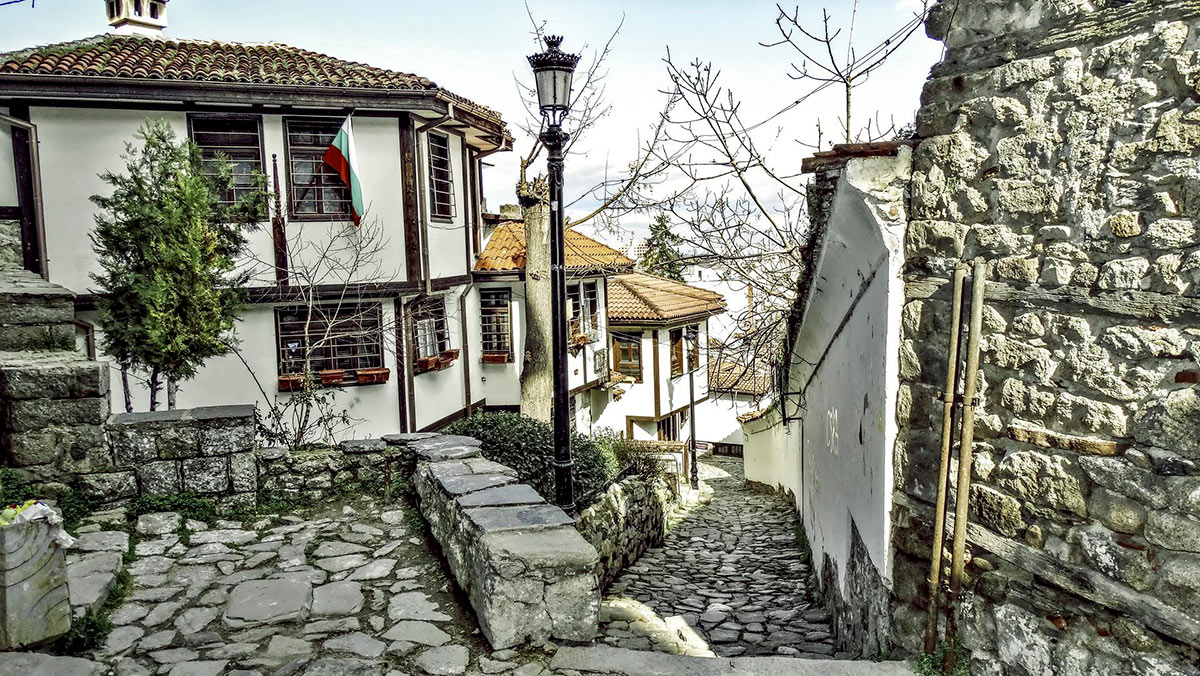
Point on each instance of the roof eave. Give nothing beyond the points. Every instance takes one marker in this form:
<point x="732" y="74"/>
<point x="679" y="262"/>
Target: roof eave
<point x="664" y="323"/>
<point x="40" y="86"/>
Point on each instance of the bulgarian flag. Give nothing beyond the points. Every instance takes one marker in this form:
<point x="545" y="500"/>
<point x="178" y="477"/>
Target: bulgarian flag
<point x="342" y="156"/>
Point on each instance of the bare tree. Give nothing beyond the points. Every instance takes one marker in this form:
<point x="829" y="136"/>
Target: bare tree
<point x="820" y="63"/>
<point x="327" y="274"/>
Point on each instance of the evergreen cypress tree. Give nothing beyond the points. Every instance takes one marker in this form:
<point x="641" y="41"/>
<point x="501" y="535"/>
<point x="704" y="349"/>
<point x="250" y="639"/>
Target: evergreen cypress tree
<point x="168" y="289"/>
<point x="662" y="255"/>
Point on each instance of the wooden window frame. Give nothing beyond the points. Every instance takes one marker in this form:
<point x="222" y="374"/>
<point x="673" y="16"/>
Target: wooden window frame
<point x="691" y="336"/>
<point x="348" y="325"/>
<point x="430" y="309"/>
<point x="289" y="150"/>
<point x="675" y="338"/>
<point x="622" y="366"/>
<point x="591" y="300"/>
<point x="435" y="205"/>
<point x="501" y="311"/>
<point x="262" y="152"/>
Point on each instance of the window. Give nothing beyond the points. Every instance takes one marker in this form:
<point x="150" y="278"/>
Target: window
<point x="575" y="317"/>
<point x="693" y="345"/>
<point x="627" y="354"/>
<point x="573" y="412"/>
<point x="495" y="321"/>
<point x="329" y="338"/>
<point x="669" y="427"/>
<point x="429" y="338"/>
<point x="238" y="140"/>
<point x="314" y="189"/>
<point x="591" y="299"/>
<point x="676" y="352"/>
<point x="441" y="176"/>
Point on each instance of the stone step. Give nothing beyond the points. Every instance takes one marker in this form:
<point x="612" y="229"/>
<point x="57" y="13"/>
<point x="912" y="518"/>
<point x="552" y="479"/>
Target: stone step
<point x="607" y="660"/>
<point x="34" y="314"/>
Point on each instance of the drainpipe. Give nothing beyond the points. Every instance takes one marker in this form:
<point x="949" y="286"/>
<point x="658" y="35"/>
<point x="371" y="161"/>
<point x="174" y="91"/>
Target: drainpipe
<point x="964" y="456"/>
<point x="35" y="170"/>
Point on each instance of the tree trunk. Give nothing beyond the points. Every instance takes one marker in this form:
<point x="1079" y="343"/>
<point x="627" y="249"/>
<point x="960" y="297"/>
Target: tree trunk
<point x="537" y="384"/>
<point x="154" y="386"/>
<point x="125" y="389"/>
<point x="172" y="389"/>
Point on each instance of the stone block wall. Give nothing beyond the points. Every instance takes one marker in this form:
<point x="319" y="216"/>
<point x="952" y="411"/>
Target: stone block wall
<point x="207" y="450"/>
<point x="528" y="573"/>
<point x="626" y="520"/>
<point x="364" y="464"/>
<point x="1060" y="142"/>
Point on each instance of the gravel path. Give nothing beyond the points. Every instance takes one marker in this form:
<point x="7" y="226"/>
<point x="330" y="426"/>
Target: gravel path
<point x="728" y="580"/>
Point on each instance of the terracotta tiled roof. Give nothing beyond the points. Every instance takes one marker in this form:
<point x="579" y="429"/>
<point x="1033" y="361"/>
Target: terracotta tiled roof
<point x="638" y="298"/>
<point x="505" y="251"/>
<point x="738" y="379"/>
<point x="156" y="58"/>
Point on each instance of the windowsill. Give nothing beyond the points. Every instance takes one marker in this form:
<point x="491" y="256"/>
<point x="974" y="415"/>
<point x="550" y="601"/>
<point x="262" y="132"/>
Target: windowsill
<point x="354" y="380"/>
<point x="440" y="366"/>
<point x="497" y="358"/>
<point x="442" y="219"/>
<point x="321" y="218"/>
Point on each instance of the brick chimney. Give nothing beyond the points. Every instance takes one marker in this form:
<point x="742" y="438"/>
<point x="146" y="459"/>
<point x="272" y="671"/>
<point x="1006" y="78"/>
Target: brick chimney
<point x="137" y="17"/>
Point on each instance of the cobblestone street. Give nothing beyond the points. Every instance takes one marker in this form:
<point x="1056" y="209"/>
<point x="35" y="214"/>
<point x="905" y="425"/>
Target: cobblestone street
<point x="729" y="580"/>
<point x="347" y="591"/>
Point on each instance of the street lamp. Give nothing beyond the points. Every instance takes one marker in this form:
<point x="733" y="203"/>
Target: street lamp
<point x="552" y="73"/>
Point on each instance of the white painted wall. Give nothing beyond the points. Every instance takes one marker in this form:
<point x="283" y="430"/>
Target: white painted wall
<point x="502" y="382"/>
<point x="837" y="460"/>
<point x="716" y="418"/>
<point x="79" y="144"/>
<point x="638" y="399"/>
<point x="8" y="170"/>
<point x="722" y="326"/>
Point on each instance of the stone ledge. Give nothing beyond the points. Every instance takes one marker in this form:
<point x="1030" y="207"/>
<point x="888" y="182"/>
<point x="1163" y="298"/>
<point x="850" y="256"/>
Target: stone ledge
<point x="528" y="573"/>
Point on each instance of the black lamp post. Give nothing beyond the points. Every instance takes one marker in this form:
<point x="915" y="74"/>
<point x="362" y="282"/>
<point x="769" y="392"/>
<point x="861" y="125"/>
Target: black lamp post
<point x="552" y="73"/>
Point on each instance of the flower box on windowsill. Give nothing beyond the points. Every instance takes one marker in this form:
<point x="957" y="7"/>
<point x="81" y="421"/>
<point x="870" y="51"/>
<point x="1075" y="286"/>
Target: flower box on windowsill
<point x="291" y="382"/>
<point x="495" y="358"/>
<point x="427" y="363"/>
<point x="332" y="376"/>
<point x="580" y="339"/>
<point x="372" y="376"/>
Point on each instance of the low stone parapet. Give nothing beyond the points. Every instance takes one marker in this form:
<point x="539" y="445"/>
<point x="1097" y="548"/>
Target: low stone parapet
<point x="527" y="571"/>
<point x="207" y="450"/>
<point x="626" y="520"/>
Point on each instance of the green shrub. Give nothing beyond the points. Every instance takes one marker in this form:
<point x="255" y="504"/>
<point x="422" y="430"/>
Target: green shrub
<point x="527" y="445"/>
<point x="931" y="665"/>
<point x="187" y="505"/>
<point x="16" y="489"/>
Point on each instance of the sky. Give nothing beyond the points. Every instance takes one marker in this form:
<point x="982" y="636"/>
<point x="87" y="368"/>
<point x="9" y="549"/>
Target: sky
<point x="475" y="48"/>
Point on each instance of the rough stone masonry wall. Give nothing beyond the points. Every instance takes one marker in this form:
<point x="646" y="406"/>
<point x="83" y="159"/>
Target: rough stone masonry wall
<point x="626" y="520"/>
<point x="1061" y="143"/>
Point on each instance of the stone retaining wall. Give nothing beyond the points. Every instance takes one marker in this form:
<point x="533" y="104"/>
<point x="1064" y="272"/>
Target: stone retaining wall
<point x="361" y="464"/>
<point x="625" y="521"/>
<point x="1060" y="142"/>
<point x="526" y="570"/>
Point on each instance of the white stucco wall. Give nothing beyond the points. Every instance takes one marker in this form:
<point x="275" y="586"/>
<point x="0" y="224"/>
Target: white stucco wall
<point x="78" y="144"/>
<point x="837" y="460"/>
<point x="8" y="172"/>
<point x="716" y="418"/>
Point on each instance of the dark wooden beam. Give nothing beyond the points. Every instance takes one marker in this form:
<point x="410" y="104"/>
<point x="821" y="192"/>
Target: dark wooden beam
<point x="408" y="192"/>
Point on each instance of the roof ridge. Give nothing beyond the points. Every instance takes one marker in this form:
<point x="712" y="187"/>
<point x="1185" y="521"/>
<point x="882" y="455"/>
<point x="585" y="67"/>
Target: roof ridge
<point x="686" y="289"/>
<point x="640" y="296"/>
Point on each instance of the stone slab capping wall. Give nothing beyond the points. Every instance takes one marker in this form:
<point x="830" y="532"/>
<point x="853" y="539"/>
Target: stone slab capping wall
<point x="626" y="520"/>
<point x="1060" y="141"/>
<point x="528" y="573"/>
<point x="207" y="450"/>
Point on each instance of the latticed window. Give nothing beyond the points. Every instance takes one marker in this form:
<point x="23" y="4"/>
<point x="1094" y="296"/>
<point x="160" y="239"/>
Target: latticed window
<point x="495" y="321"/>
<point x="329" y="338"/>
<point x="575" y="317"/>
<point x="429" y="338"/>
<point x="591" y="301"/>
<point x="676" y="352"/>
<point x="441" y="176"/>
<point x="314" y="189"/>
<point x="627" y="354"/>
<point x="237" y="139"/>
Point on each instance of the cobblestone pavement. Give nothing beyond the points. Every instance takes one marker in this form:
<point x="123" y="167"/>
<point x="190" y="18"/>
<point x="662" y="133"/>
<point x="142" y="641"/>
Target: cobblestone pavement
<point x="353" y="591"/>
<point x="728" y="580"/>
